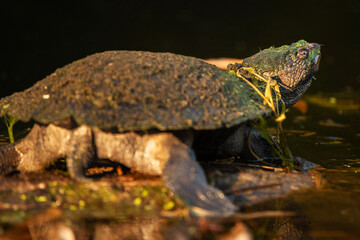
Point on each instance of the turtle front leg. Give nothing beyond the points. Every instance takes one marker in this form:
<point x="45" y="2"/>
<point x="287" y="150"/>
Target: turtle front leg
<point x="165" y="155"/>
<point x="240" y="142"/>
<point x="184" y="176"/>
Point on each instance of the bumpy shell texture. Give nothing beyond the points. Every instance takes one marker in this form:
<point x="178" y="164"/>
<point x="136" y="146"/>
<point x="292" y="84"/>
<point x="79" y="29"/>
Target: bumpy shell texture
<point x="137" y="91"/>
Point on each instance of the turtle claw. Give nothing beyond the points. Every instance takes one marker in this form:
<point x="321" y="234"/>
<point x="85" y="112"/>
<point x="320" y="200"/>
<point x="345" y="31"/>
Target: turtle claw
<point x="208" y="201"/>
<point x="186" y="178"/>
<point x="303" y="164"/>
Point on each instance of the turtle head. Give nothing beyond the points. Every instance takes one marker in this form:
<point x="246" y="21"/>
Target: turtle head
<point x="292" y="66"/>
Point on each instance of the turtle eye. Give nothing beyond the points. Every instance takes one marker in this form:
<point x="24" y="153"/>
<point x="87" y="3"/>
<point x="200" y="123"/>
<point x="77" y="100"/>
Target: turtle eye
<point x="302" y="53"/>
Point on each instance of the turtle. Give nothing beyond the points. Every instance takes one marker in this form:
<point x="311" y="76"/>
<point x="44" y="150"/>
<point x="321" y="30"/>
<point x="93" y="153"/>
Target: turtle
<point x="156" y="113"/>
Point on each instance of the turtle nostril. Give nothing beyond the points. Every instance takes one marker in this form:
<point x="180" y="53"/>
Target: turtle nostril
<point x="316" y="45"/>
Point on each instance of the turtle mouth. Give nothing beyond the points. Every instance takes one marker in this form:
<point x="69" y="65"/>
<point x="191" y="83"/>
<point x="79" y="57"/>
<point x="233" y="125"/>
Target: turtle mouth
<point x="316" y="62"/>
<point x="316" y="59"/>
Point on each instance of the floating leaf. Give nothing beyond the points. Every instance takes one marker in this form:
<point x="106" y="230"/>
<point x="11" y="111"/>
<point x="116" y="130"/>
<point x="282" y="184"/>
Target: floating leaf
<point x="41" y="199"/>
<point x="81" y="204"/>
<point x="73" y="207"/>
<point x="308" y="134"/>
<point x="137" y="201"/>
<point x="331" y="123"/>
<point x="168" y="206"/>
<point x="330" y="143"/>
<point x="340" y="103"/>
<point x="145" y="193"/>
<point x="302" y="106"/>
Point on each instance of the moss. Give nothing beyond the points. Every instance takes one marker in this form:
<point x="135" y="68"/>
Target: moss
<point x="131" y="90"/>
<point x="108" y="199"/>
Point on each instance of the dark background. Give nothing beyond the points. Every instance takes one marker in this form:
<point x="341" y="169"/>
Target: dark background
<point x="38" y="38"/>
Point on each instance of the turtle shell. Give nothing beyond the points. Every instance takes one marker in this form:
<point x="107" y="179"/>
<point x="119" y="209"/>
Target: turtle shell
<point x="138" y="91"/>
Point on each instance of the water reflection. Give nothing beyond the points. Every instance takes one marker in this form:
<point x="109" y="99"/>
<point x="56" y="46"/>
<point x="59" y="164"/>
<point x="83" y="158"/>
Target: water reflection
<point x="52" y="224"/>
<point x="293" y="227"/>
<point x="333" y="117"/>
<point x="51" y="206"/>
<point x="55" y="224"/>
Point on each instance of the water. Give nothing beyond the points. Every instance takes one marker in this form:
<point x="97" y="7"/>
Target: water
<point x="328" y="134"/>
<point x="333" y="209"/>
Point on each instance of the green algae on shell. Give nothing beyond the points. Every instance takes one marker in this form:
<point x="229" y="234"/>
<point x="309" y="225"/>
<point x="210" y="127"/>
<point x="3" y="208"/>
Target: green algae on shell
<point x="135" y="91"/>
